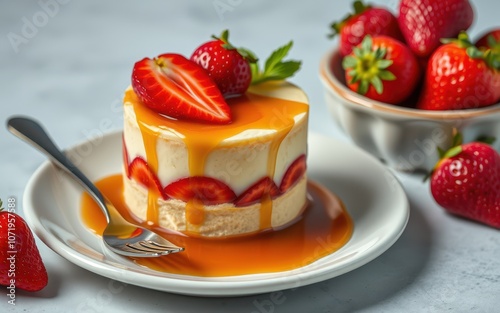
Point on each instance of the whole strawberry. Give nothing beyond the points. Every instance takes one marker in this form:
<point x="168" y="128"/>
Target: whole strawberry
<point x="489" y="40"/>
<point x="234" y="69"/>
<point x="424" y="22"/>
<point x="460" y="76"/>
<point x="366" y="20"/>
<point x="20" y="263"/>
<point x="466" y="182"/>
<point x="228" y="66"/>
<point x="382" y="68"/>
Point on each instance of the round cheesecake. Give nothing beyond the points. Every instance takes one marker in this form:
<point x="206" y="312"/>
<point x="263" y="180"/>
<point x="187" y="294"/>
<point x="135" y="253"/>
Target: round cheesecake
<point x="219" y="180"/>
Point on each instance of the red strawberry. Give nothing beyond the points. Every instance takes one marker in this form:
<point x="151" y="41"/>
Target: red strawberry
<point x="459" y="76"/>
<point x="424" y="22"/>
<point x="173" y="85"/>
<point x="234" y="69"/>
<point x="208" y="190"/>
<point x="140" y="171"/>
<point x="466" y="182"/>
<point x="366" y="20"/>
<point x="228" y="66"/>
<point x="489" y="40"/>
<point x="294" y="172"/>
<point x="20" y="263"/>
<point x="257" y="191"/>
<point x="382" y="69"/>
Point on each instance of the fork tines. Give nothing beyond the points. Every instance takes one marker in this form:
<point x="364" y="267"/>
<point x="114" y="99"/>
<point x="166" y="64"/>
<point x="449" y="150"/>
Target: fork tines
<point x="148" y="246"/>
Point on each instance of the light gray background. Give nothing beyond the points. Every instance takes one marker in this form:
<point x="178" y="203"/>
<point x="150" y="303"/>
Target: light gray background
<point x="70" y="72"/>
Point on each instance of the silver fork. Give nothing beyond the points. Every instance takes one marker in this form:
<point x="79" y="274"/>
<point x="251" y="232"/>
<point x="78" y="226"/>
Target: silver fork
<point x="119" y="235"/>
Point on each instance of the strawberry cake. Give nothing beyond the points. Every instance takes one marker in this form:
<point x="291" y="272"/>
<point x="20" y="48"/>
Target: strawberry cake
<point x="213" y="161"/>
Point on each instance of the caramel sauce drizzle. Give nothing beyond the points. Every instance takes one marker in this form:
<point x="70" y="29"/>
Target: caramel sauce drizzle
<point x="250" y="111"/>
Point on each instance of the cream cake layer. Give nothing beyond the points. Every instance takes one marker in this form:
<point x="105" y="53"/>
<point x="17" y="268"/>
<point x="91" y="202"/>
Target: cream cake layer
<point x="268" y="133"/>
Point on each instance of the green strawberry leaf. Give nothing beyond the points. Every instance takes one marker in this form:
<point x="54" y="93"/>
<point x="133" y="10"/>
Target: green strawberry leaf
<point x="441" y="152"/>
<point x="386" y="75"/>
<point x="249" y="55"/>
<point x="368" y="66"/>
<point x="453" y="152"/>
<point x="486" y="139"/>
<point x="363" y="87"/>
<point x="456" y="148"/>
<point x="349" y="62"/>
<point x="383" y="64"/>
<point x="457" y="139"/>
<point x="278" y="55"/>
<point x="377" y="84"/>
<point x="492" y="42"/>
<point x="274" y="67"/>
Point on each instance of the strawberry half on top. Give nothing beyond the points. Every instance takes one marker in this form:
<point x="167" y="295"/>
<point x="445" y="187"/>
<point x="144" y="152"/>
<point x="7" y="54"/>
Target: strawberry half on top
<point x="176" y="87"/>
<point x="228" y="66"/>
<point x="383" y="69"/>
<point x="366" y="20"/>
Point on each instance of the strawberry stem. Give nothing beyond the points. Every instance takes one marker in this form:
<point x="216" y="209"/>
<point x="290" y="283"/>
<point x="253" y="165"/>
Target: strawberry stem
<point x="490" y="56"/>
<point x="455" y="149"/>
<point x="224" y="37"/>
<point x="486" y="139"/>
<point x="368" y="67"/>
<point x="358" y="6"/>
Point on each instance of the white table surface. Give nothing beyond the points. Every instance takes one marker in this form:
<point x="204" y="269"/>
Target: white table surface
<point x="69" y="71"/>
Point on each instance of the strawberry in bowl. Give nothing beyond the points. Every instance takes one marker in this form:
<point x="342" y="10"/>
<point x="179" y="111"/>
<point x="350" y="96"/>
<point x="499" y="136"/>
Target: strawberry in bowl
<point x="403" y="118"/>
<point x="424" y="23"/>
<point x="366" y="20"/>
<point x="383" y="69"/>
<point x="460" y="76"/>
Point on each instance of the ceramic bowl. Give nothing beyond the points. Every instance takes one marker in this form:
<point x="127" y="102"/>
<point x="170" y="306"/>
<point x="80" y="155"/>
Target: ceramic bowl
<point x="403" y="137"/>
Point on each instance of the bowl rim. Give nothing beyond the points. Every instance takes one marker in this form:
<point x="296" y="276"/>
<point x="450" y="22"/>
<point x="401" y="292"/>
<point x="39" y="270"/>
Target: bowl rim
<point x="355" y="99"/>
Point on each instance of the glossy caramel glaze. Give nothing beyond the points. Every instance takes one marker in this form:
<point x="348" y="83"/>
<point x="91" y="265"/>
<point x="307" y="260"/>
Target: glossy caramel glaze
<point x="249" y="112"/>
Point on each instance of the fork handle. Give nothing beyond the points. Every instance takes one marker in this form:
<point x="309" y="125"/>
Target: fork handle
<point x="32" y="132"/>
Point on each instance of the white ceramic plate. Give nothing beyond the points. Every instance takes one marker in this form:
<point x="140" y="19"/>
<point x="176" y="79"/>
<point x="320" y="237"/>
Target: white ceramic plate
<point x="373" y="197"/>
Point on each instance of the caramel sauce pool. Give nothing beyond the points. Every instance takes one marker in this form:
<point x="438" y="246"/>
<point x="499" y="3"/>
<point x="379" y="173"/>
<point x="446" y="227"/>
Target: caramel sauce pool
<point x="324" y="228"/>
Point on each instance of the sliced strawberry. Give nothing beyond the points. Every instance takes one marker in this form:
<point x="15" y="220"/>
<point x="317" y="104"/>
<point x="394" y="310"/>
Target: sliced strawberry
<point x="257" y="191"/>
<point x="293" y="173"/>
<point x="140" y="171"/>
<point x="125" y="157"/>
<point x="177" y="87"/>
<point x="208" y="190"/>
